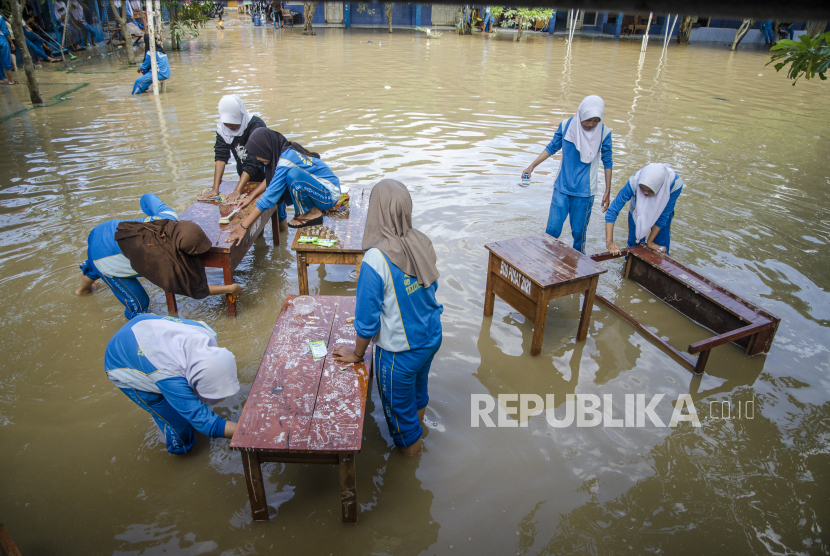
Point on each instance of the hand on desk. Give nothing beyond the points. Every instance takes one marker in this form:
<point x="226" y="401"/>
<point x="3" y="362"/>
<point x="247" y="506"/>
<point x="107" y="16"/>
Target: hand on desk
<point x="236" y="235"/>
<point x="207" y="194"/>
<point x="345" y="355"/>
<point x="654" y="247"/>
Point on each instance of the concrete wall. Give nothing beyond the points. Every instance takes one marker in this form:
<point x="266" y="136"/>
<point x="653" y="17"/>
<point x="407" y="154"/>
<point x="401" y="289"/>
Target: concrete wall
<point x="716" y="34"/>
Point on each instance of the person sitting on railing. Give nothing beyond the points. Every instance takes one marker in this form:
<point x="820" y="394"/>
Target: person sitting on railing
<point x="653" y="192"/>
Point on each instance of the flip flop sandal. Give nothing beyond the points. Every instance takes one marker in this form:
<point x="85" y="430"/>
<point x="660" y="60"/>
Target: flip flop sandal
<point x="15" y="83"/>
<point x="306" y="223"/>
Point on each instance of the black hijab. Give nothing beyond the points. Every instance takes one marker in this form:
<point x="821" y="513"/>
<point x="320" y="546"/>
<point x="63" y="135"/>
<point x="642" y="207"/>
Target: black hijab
<point x="147" y="45"/>
<point x="268" y="144"/>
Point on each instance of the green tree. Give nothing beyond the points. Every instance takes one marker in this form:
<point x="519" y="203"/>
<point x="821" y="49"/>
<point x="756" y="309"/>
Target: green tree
<point x="524" y="18"/>
<point x="186" y="19"/>
<point x="806" y="57"/>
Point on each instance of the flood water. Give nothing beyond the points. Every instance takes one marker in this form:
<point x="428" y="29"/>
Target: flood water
<point x="84" y="471"/>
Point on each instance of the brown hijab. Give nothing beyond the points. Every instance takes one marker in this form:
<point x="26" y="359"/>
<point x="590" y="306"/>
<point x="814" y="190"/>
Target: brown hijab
<point x="389" y="228"/>
<point x="166" y="253"/>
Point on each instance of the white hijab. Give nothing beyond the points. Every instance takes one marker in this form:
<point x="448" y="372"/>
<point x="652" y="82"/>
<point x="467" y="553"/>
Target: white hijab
<point x="658" y="178"/>
<point x="189" y="351"/>
<point x="586" y="142"/>
<point x="232" y="111"/>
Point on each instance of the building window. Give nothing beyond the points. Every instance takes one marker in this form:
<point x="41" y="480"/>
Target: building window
<point x="612" y="19"/>
<point x="590" y="19"/>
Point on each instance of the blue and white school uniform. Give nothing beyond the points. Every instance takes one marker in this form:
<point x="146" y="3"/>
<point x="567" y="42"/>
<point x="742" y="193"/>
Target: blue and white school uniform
<point x="145" y="81"/>
<point x="576" y="184"/>
<point x="5" y="48"/>
<point x="403" y="320"/>
<point x="307" y="180"/>
<point x="106" y="262"/>
<point x="133" y="363"/>
<point x="663" y="221"/>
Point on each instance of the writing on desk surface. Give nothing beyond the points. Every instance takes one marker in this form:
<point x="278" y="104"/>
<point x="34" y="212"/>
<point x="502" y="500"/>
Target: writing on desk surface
<point x="516" y="278"/>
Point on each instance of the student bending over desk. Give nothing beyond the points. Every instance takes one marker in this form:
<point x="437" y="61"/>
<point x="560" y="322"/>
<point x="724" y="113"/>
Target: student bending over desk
<point x="233" y="130"/>
<point x="293" y="175"/>
<point x="173" y="369"/>
<point x="653" y="192"/>
<point x="158" y="248"/>
<point x="397" y="310"/>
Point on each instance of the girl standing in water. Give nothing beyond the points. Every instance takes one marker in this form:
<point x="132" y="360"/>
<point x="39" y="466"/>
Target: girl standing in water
<point x="584" y="140"/>
<point x="293" y="175"/>
<point x="397" y="310"/>
<point x="653" y="192"/>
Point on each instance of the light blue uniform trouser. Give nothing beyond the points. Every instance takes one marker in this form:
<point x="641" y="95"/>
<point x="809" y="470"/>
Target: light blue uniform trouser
<point x="306" y="192"/>
<point x="144" y="82"/>
<point x="5" y="56"/>
<point x="178" y="432"/>
<point x="402" y="385"/>
<point x="128" y="290"/>
<point x="578" y="209"/>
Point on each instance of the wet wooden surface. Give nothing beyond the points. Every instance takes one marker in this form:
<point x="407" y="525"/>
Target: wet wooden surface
<point x="528" y="272"/>
<point x="545" y="260"/>
<point x="207" y="214"/>
<point x="7" y="546"/>
<point x="297" y="403"/>
<point x="344" y="226"/>
<point x="702" y="300"/>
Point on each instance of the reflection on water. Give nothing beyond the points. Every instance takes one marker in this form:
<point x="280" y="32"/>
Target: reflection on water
<point x="456" y="120"/>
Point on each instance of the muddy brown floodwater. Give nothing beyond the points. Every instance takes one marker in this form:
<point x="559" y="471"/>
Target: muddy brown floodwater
<point x="84" y="471"/>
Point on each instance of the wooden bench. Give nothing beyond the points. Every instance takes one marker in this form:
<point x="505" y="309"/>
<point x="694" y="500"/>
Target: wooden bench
<point x="7" y="546"/>
<point x="224" y="255"/>
<point x="344" y="226"/>
<point x="528" y="272"/>
<point x="734" y="319"/>
<point x="304" y="411"/>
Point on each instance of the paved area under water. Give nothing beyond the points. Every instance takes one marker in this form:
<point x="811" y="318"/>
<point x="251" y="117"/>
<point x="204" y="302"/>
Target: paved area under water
<point x="84" y="471"/>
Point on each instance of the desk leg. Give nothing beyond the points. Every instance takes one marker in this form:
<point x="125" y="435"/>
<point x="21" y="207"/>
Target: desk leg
<point x="348" y="487"/>
<point x="357" y="265"/>
<point x="702" y="359"/>
<point x="489" y="294"/>
<point x="539" y="324"/>
<point x="256" y="488"/>
<point x="228" y="274"/>
<point x="275" y="227"/>
<point x="171" y="302"/>
<point x="302" y="273"/>
<point x="587" y="307"/>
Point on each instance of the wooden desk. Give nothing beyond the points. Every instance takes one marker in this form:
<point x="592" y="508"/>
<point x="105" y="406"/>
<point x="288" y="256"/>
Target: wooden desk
<point x="346" y="227"/>
<point x="733" y="318"/>
<point x="223" y="255"/>
<point x="528" y="272"/>
<point x="304" y="411"/>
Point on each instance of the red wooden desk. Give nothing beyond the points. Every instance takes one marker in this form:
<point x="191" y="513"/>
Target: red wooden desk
<point x="224" y="255"/>
<point x="346" y="227"/>
<point x="304" y="411"/>
<point x="528" y="272"/>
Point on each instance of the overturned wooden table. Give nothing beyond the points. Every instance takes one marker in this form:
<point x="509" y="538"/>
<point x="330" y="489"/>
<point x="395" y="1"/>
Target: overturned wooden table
<point x="528" y="272"/>
<point x="346" y="227"/>
<point x="707" y="303"/>
<point x="302" y="410"/>
<point x="222" y="254"/>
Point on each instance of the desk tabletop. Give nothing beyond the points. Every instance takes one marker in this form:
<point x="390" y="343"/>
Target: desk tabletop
<point x="545" y="260"/>
<point x="297" y="403"/>
<point x="207" y="214"/>
<point x="345" y="226"/>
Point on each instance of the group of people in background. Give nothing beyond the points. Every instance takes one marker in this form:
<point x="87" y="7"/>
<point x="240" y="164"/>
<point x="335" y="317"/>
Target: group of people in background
<point x="174" y="368"/>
